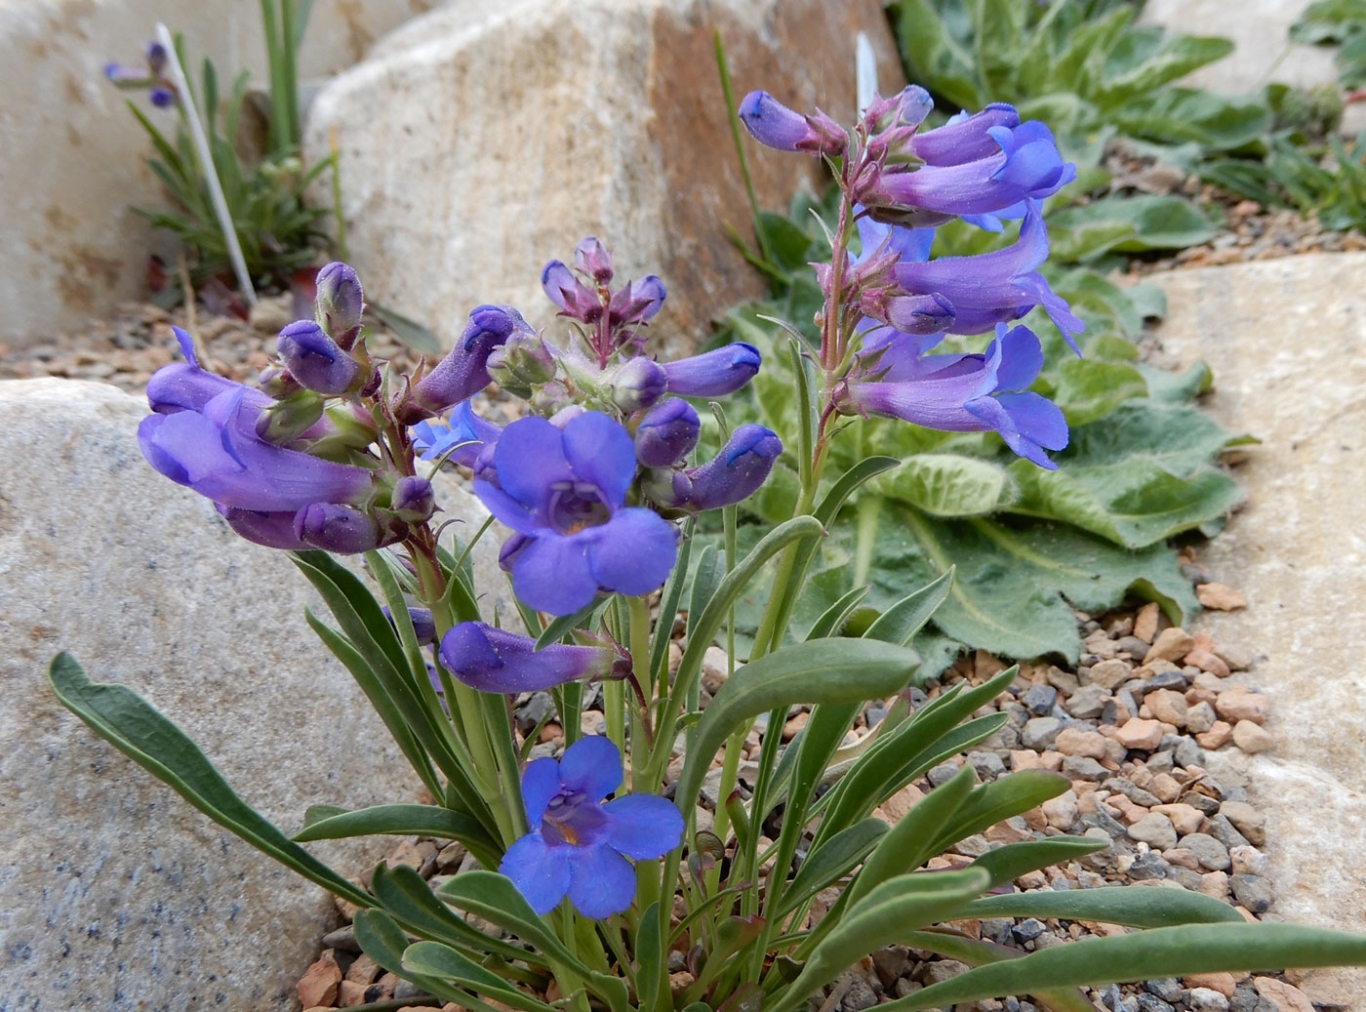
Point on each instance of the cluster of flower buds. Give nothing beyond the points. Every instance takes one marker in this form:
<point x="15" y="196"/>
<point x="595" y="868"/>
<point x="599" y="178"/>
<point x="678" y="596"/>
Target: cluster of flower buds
<point x="151" y="77"/>
<point x="891" y="304"/>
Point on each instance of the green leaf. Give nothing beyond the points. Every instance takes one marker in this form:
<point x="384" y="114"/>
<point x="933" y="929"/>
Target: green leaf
<point x="650" y="965"/>
<point x="895" y="906"/>
<point x="947" y="485"/>
<point x="494" y="898"/>
<point x="384" y="941"/>
<point x="832" y="620"/>
<point x="820" y="671"/>
<point x="831" y="861"/>
<point x="138" y="730"/>
<point x="1134" y="907"/>
<point x="999" y="800"/>
<point x="584" y="618"/>
<point x="1154" y="222"/>
<point x="1162" y="952"/>
<point x="326" y="823"/>
<point x="903" y="620"/>
<point x="1015" y="859"/>
<point x="434" y="960"/>
<point x="1088" y="390"/>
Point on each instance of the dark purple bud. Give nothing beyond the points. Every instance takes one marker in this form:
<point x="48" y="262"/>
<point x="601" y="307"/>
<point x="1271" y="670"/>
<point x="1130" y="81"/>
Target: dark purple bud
<point x="315" y="360"/>
<point x="494" y="660"/>
<point x="424" y="627"/>
<point x="637" y="302"/>
<point x="273" y="530"/>
<point x="637" y="384"/>
<point x="737" y="471"/>
<point x="591" y="257"/>
<point x="776" y="126"/>
<point x="162" y="98"/>
<point x="156" y="57"/>
<point x="667" y="433"/>
<point x="345" y="530"/>
<point x="713" y="373"/>
<point x="413" y="500"/>
<point x="463" y="372"/>
<point x="340" y="301"/>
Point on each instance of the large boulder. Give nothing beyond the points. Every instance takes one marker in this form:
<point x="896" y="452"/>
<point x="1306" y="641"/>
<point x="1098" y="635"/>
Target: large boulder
<point x="486" y="137"/>
<point x="1284" y="338"/>
<point x="115" y="894"/>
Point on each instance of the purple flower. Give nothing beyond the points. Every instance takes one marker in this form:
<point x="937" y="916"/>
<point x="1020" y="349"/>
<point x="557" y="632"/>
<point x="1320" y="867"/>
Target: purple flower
<point x="737" y="471"/>
<point x="579" y="846"/>
<point x="967" y="393"/>
<point x="993" y="288"/>
<point x="424" y="628"/>
<point x="346" y="530"/>
<point x="572" y="296"/>
<point x="637" y="302"/>
<point x="776" y="126"/>
<point x="211" y="446"/>
<point x="413" y="500"/>
<point x="315" y="360"/>
<point x="667" y="433"/>
<point x="463" y="373"/>
<point x="593" y="258"/>
<point x="1023" y="164"/>
<point x="713" y="373"/>
<point x="272" y="530"/>
<point x="184" y="386"/>
<point x="152" y="77"/>
<point x="465" y="431"/>
<point x="494" y="660"/>
<point x="637" y="383"/>
<point x="565" y="490"/>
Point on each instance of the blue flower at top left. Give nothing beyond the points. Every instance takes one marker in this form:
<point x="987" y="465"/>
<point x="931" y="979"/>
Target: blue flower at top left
<point x="563" y="492"/>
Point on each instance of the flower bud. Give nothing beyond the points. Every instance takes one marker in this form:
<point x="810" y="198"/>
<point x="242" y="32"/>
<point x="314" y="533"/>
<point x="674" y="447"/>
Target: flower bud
<point x="737" y="471"/>
<point x="667" y="433"/>
<point x="290" y="417"/>
<point x="315" y="360"/>
<point x="574" y="298"/>
<point x="591" y="257"/>
<point x="344" y="530"/>
<point x="637" y="383"/>
<point x="413" y="500"/>
<point x="156" y="58"/>
<point x="424" y="628"/>
<point x="278" y="382"/>
<point x="463" y="372"/>
<point x="713" y="373"/>
<point x="340" y="301"/>
<point x="494" y="660"/>
<point x="162" y="98"/>
<point x="637" y="302"/>
<point x="523" y="362"/>
<point x="667" y="488"/>
<point x="776" y="126"/>
<point x="273" y="530"/>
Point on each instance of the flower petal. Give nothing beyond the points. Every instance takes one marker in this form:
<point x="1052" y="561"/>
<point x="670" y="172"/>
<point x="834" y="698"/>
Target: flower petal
<point x="540" y="783"/>
<point x="552" y="573"/>
<point x="540" y="872"/>
<point x="529" y="456"/>
<point x="600" y="451"/>
<point x="601" y="881"/>
<point x="643" y="825"/>
<point x="591" y="767"/>
<point x="633" y="552"/>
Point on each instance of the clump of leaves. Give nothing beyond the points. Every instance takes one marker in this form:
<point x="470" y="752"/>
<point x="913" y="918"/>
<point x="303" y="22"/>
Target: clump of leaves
<point x="1337" y="23"/>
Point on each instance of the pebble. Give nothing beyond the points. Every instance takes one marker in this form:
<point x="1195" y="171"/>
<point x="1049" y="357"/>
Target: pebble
<point x="1087" y="702"/>
<point x="988" y="765"/>
<point x="1246" y="819"/>
<point x="1200" y="717"/>
<point x="1222" y="982"/>
<point x="944" y="969"/>
<point x="1145" y="622"/>
<point x="1253" y="892"/>
<point x="1212" y="855"/>
<point x="1040" y="699"/>
<point x="1252" y="738"/>
<point x="1040" y="732"/>
<point x="1205" y="999"/>
<point x="1288" y="997"/>
<point x="1171" y="645"/>
<point x="1219" y="735"/>
<point x="1062" y="812"/>
<point x="942" y="774"/>
<point x="1167" y="706"/>
<point x="1107" y="674"/>
<point x="1248" y="861"/>
<point x="1141" y="734"/>
<point x="1209" y="662"/>
<point x="1219" y="597"/>
<point x="1155" y="830"/>
<point x="1166" y="988"/>
<point x="1186" y="819"/>
<point x="321" y="982"/>
<point x="1074" y="741"/>
<point x="1240" y="703"/>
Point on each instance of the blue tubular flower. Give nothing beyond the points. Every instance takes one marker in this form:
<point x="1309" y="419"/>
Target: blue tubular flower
<point x="211" y="446"/>
<point x="996" y="287"/>
<point x="964" y="138"/>
<point x="713" y="373"/>
<point x="776" y="126"/>
<point x="1025" y="166"/>
<point x="465" y="431"/>
<point x="972" y="393"/>
<point x="345" y="530"/>
<point x="314" y="359"/>
<point x="463" y="373"/>
<point x="737" y="471"/>
<point x="577" y="845"/>
<point x="272" y="530"/>
<point x="565" y="490"/>
<point x="637" y="302"/>
<point x="667" y="433"/>
<point x="494" y="660"/>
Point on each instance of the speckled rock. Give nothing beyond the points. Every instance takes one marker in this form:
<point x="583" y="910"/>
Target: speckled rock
<point x="114" y="893"/>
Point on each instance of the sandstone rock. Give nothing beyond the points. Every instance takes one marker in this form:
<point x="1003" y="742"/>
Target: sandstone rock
<point x="1200" y="718"/>
<point x="1253" y="738"/>
<point x="1145" y="622"/>
<point x="320" y="982"/>
<point x="1219" y="734"/>
<point x="1240" y="704"/>
<point x="1171" y="645"/>
<point x="1246" y="819"/>
<point x="1287" y="997"/>
<point x="1140" y="734"/>
<point x="1218" y="597"/>
<point x="1168" y="706"/>
<point x="1185" y="818"/>
<point x="1221" y="982"/>
<point x="111" y="884"/>
<point x="1108" y="674"/>
<point x="1077" y="742"/>
<point x="1061" y="812"/>
<point x="1207" y="660"/>
<point x="1155" y="830"/>
<point x="484" y="138"/>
